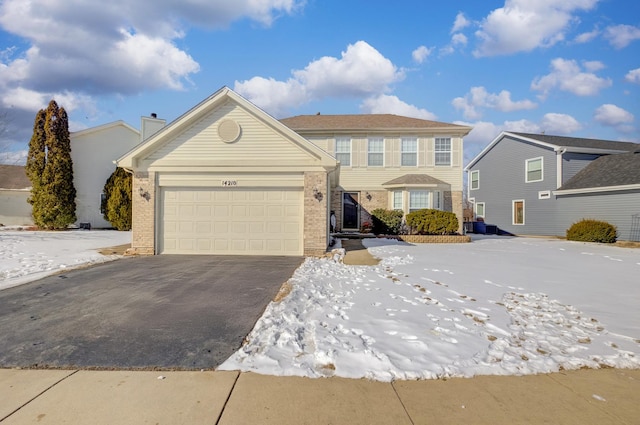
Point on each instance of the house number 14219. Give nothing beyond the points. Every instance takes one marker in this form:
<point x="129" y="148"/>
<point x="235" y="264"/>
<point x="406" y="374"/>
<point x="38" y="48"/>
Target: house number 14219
<point x="227" y="183"/>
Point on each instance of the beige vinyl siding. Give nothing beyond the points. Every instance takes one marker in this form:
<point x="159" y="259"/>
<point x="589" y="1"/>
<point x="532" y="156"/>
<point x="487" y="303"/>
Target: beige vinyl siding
<point x="361" y="177"/>
<point x="258" y="144"/>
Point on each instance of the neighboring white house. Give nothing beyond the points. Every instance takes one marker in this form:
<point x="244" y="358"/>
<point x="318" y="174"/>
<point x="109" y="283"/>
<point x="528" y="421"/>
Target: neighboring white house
<point x="15" y="189"/>
<point x="94" y="152"/>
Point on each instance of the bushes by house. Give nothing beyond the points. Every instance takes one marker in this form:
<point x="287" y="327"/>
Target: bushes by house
<point x="432" y="222"/>
<point x="386" y="222"/>
<point x="116" y="203"/>
<point x="588" y="230"/>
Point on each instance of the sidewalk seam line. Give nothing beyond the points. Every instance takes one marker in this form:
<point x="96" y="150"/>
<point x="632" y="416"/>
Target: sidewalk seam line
<point x="402" y="403"/>
<point x="224" y="406"/>
<point x="39" y="394"/>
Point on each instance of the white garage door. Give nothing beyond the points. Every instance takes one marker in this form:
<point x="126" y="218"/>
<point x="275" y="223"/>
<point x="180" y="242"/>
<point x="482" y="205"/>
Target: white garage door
<point x="231" y="221"/>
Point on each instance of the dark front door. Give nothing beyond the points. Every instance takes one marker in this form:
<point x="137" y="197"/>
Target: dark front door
<point x="350" y="211"/>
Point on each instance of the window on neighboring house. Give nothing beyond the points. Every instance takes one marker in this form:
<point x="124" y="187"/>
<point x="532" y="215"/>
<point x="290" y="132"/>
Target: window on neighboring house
<point x="518" y="212"/>
<point x="443" y="151"/>
<point x="397" y="200"/>
<point x="418" y="200"/>
<point x="479" y="206"/>
<point x="375" y="150"/>
<point x="475" y="180"/>
<point x="102" y="206"/>
<point x="534" y="170"/>
<point x="409" y="147"/>
<point x="343" y="151"/>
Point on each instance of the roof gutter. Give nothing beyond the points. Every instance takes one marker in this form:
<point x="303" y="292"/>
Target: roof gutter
<point x="596" y="189"/>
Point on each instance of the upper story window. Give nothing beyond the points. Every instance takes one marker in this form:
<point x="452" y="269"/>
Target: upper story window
<point x="534" y="170"/>
<point x="474" y="180"/>
<point x="443" y="151"/>
<point x="343" y="151"/>
<point x="375" y="152"/>
<point x="409" y="148"/>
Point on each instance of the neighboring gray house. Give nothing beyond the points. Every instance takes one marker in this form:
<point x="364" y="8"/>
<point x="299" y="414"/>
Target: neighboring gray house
<point x="536" y="184"/>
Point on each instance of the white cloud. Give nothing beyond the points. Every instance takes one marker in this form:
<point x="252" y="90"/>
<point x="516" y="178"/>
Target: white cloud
<point x="586" y="37"/>
<point x="478" y="97"/>
<point x="460" y="23"/>
<point x="114" y="47"/>
<point x="14" y="158"/>
<point x="612" y="115"/>
<point x="567" y="75"/>
<point x="385" y="104"/>
<point x="275" y="97"/>
<point x="361" y="72"/>
<point x="553" y="123"/>
<point x="621" y="36"/>
<point x="459" y="39"/>
<point x="421" y="54"/>
<point x="593" y="66"/>
<point x="524" y="25"/>
<point x="76" y="50"/>
<point x="633" y="76"/>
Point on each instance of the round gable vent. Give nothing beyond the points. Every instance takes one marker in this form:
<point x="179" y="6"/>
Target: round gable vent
<point x="229" y="131"/>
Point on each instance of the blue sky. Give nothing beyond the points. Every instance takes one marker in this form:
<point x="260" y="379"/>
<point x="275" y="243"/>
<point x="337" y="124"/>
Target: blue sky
<point x="567" y="67"/>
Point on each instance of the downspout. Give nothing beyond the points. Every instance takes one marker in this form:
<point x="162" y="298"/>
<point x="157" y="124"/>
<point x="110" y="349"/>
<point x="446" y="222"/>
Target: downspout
<point x="559" y="153"/>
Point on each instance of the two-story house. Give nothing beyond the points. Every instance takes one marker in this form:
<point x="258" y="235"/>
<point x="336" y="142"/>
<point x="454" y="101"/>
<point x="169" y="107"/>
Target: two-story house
<point x="537" y="184"/>
<point x="228" y="178"/>
<point x="388" y="161"/>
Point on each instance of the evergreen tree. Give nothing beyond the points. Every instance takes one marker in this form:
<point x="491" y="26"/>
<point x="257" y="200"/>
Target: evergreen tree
<point x="50" y="170"/>
<point x="36" y="159"/>
<point x="116" y="203"/>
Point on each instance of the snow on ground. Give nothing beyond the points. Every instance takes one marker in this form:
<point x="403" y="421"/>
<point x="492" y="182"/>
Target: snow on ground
<point x="499" y="306"/>
<point x="26" y="255"/>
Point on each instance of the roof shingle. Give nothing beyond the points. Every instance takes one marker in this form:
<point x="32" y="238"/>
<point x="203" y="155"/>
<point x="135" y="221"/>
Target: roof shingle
<point x="608" y="170"/>
<point x="13" y="177"/>
<point x="580" y="142"/>
<point x="364" y="122"/>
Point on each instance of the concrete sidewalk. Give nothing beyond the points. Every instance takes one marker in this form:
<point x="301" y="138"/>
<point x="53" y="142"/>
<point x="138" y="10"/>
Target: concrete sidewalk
<point x="610" y="396"/>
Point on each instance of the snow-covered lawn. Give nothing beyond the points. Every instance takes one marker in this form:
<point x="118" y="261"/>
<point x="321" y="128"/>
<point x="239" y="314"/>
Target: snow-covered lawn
<point x="495" y="306"/>
<point x="504" y="306"/>
<point x="26" y="256"/>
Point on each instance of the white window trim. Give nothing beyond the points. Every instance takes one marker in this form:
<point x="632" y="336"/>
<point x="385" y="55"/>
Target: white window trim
<point x="471" y="180"/>
<point x="435" y="152"/>
<point x="415" y="152"/>
<point x="484" y="209"/>
<point x="513" y="212"/>
<point x="544" y="194"/>
<point x="526" y="169"/>
<point x="350" y="149"/>
<point x="382" y="152"/>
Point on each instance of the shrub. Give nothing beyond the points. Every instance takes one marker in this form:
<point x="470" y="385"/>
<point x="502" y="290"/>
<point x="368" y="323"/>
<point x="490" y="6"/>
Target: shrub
<point x="116" y="203"/>
<point x="387" y="222"/>
<point x="432" y="222"/>
<point x="588" y="230"/>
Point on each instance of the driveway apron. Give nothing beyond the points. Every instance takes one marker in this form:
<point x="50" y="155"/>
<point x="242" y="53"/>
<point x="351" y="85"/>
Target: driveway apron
<point x="166" y="312"/>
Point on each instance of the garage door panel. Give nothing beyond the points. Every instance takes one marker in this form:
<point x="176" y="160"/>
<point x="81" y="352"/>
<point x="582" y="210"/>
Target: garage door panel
<point x="231" y="221"/>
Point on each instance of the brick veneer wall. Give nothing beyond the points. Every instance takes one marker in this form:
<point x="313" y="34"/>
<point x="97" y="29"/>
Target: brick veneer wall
<point x="316" y="216"/>
<point x="144" y="213"/>
<point x="435" y="238"/>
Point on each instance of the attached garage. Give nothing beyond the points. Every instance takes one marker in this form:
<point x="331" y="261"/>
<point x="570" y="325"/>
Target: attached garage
<point x="228" y="179"/>
<point x="231" y="221"/>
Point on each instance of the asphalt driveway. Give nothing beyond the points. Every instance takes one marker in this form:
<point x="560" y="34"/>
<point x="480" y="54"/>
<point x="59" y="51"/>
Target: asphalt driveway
<point x="165" y="311"/>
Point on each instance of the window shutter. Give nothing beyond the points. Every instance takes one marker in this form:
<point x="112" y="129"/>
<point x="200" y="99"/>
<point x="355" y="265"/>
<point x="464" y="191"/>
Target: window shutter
<point x="430" y="142"/>
<point x="455" y="152"/>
